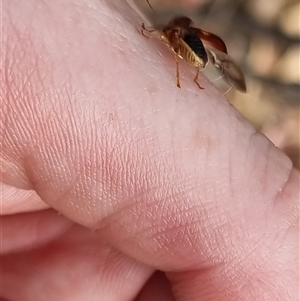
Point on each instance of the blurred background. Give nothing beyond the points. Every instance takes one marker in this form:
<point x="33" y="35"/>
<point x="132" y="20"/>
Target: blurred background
<point x="263" y="37"/>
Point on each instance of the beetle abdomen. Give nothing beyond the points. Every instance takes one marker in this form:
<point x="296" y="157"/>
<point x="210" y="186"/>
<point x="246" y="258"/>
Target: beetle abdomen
<point x="196" y="45"/>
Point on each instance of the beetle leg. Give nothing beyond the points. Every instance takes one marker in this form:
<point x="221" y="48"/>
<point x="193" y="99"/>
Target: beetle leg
<point x="177" y="71"/>
<point x="196" y="78"/>
<point x="149" y="31"/>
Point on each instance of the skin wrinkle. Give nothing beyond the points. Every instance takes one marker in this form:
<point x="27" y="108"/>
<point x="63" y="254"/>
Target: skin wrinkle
<point x="164" y="230"/>
<point x="265" y="261"/>
<point x="141" y="204"/>
<point x="230" y="173"/>
<point x="192" y="233"/>
<point x="73" y="143"/>
<point x="281" y="189"/>
<point x="177" y="225"/>
<point x="64" y="143"/>
<point x="291" y="215"/>
<point x="22" y="101"/>
<point x="265" y="170"/>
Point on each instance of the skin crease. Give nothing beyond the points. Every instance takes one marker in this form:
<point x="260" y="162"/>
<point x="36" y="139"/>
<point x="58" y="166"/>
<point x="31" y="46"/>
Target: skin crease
<point x="93" y="126"/>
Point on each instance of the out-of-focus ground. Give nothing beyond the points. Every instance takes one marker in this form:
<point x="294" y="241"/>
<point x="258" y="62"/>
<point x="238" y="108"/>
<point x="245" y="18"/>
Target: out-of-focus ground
<point x="263" y="36"/>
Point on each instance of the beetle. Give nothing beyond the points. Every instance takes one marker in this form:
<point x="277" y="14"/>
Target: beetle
<point x="197" y="47"/>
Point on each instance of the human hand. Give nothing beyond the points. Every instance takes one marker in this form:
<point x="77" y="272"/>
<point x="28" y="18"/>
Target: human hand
<point x="175" y="180"/>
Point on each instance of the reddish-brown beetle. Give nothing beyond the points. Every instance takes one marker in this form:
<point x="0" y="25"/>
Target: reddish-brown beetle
<point x="196" y="47"/>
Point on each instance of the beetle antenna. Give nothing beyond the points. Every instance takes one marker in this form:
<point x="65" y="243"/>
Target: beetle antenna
<point x="150" y="6"/>
<point x="152" y="10"/>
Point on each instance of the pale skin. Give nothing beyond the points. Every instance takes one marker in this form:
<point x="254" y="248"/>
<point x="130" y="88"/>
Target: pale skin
<point x="146" y="176"/>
